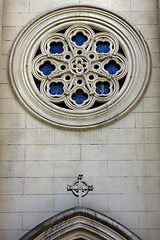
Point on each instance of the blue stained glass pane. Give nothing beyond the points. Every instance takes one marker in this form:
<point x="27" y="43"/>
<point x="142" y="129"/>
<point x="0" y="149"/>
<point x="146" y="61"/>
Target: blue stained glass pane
<point x="102" y="87"/>
<point x="120" y="51"/>
<point x="112" y="67"/>
<point x="96" y="30"/>
<point x="47" y="68"/>
<point x="103" y="47"/>
<point x="121" y="82"/>
<point x="38" y="83"/>
<point x="79" y="39"/>
<point x="56" y="47"/>
<point x="56" y="88"/>
<point x="79" y="96"/>
<point x="38" y="52"/>
<point x="62" y="31"/>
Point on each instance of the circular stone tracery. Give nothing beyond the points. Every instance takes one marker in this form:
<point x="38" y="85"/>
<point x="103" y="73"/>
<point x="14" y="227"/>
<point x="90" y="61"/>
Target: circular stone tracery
<point x="77" y="51"/>
<point x="79" y="66"/>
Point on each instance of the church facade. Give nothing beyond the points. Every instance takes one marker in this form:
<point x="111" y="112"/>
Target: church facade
<point x="79" y="94"/>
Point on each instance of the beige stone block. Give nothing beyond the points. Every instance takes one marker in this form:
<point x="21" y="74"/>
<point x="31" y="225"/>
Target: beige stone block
<point x="33" y="122"/>
<point x="126" y="136"/>
<point x="147" y="120"/>
<point x="39" y="203"/>
<point x="153" y="90"/>
<point x="143" y="5"/>
<point x="93" y="168"/>
<point x="73" y="168"/>
<point x="11" y="186"/>
<point x="39" y="169"/>
<point x="11" y="220"/>
<point x="134" y="202"/>
<point x="95" y="136"/>
<point x="67" y="169"/>
<point x="153" y="169"/>
<point x="12" y="153"/>
<point x="11" y="234"/>
<point x="149" y="219"/>
<point x="52" y="152"/>
<point x="12" y="169"/>
<point x="128" y="219"/>
<point x="152" y="135"/>
<point x="149" y="185"/>
<point x="5" y="169"/>
<point x="96" y="202"/>
<point x="108" y="152"/>
<point x="39" y="186"/>
<point x="10" y="33"/>
<point x="45" y="5"/>
<point x="22" y="136"/>
<point x="155" y="73"/>
<point x="127" y="121"/>
<point x="4" y="76"/>
<point x="26" y="203"/>
<point x="12" y="121"/>
<point x="4" y="61"/>
<point x="65" y="136"/>
<point x="63" y="202"/>
<point x="36" y="219"/>
<point x="116" y="5"/>
<point x="121" y="185"/>
<point x="17" y="19"/>
<point x="17" y="169"/>
<point x="141" y="17"/>
<point x="43" y="185"/>
<point x="153" y="45"/>
<point x="11" y="106"/>
<point x="6" y="47"/>
<point x="128" y="168"/>
<point x="12" y="136"/>
<point x="6" y="91"/>
<point x="155" y="57"/>
<point x="16" y="6"/>
<point x="107" y="185"/>
<point x="148" y="105"/>
<point x="39" y="136"/>
<point x="148" y="31"/>
<point x="148" y="151"/>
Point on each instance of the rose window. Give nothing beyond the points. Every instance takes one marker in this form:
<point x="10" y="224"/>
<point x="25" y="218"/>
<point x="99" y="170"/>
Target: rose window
<point x="79" y="67"/>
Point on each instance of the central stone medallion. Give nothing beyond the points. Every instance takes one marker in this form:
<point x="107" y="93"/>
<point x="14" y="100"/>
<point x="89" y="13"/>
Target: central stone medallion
<point x="79" y="65"/>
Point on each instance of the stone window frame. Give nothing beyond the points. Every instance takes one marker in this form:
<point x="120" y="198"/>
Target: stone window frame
<point x="129" y="38"/>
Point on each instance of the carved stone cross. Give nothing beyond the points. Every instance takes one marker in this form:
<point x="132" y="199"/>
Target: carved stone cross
<point x="80" y="188"/>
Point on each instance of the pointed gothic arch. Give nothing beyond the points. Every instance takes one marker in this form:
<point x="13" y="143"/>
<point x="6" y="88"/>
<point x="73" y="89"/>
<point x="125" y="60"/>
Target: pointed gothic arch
<point x="80" y="223"/>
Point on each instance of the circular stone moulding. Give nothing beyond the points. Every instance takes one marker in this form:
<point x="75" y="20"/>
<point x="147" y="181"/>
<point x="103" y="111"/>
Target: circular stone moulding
<point x="79" y="66"/>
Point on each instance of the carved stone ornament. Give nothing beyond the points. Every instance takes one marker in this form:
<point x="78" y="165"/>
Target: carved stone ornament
<point x="80" y="188"/>
<point x="79" y="66"/>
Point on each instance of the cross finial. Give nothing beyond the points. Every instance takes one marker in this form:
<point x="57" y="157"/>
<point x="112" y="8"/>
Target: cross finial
<point x="80" y="188"/>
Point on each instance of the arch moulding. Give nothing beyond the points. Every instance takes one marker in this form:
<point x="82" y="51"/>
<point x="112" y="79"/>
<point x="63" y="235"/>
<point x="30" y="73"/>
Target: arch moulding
<point x="80" y="223"/>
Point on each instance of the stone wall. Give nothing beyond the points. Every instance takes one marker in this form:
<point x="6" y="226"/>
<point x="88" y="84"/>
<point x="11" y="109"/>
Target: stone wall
<point x="121" y="160"/>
